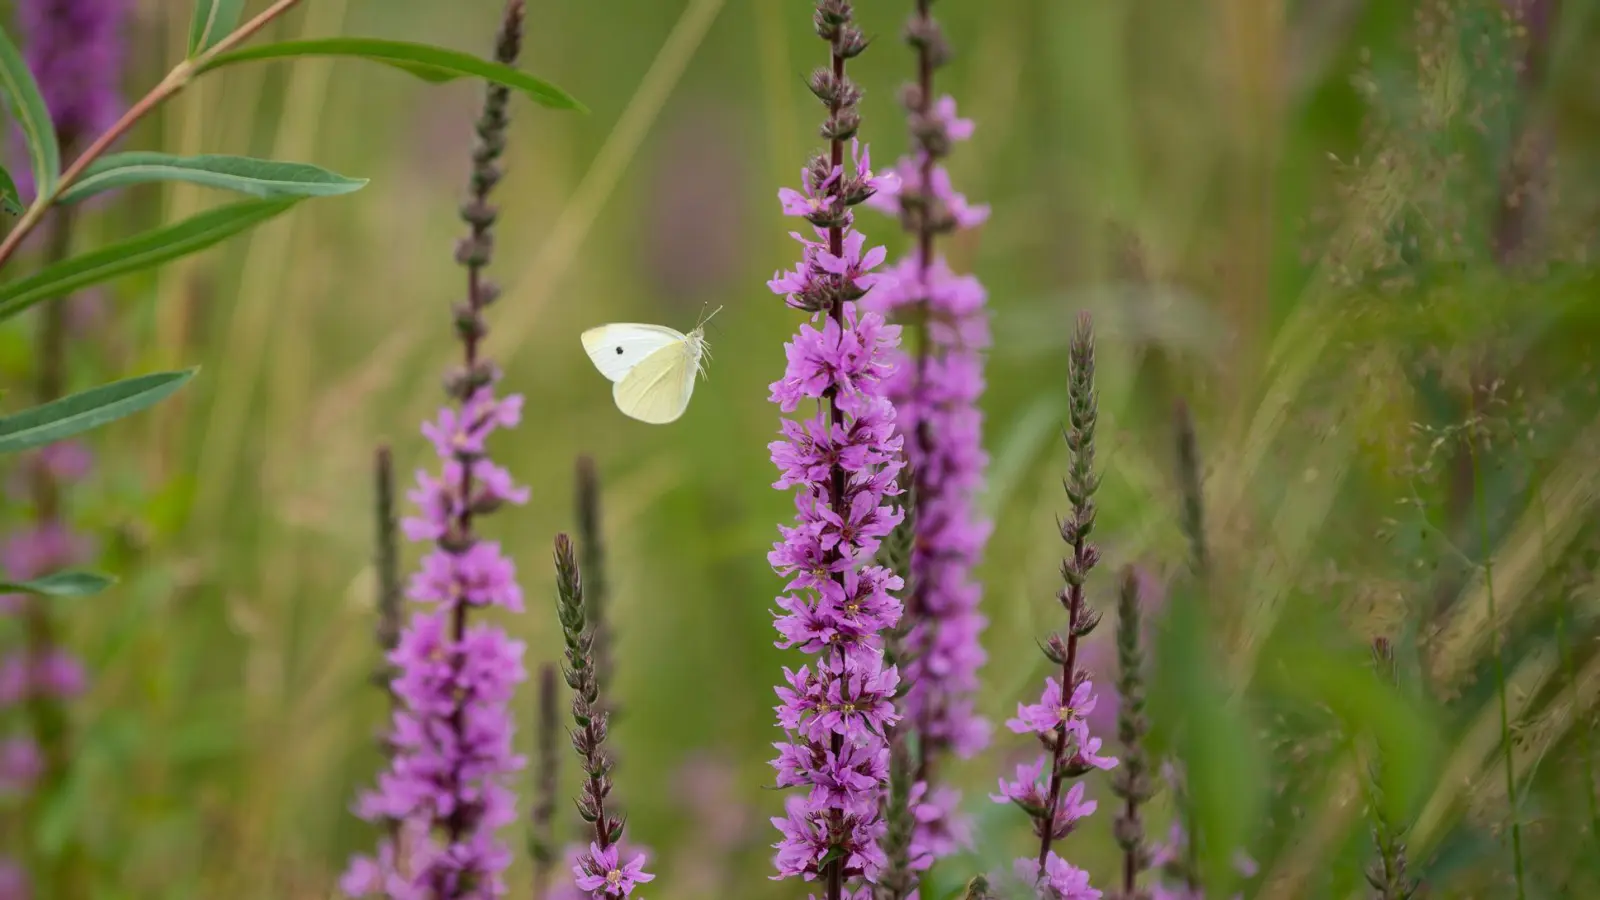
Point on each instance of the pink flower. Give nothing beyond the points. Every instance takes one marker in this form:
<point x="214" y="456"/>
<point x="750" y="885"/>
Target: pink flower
<point x="20" y="764"/>
<point x="842" y="466"/>
<point x="13" y="881"/>
<point x="451" y="731"/>
<point x="936" y="396"/>
<point x="1031" y="791"/>
<point x="1060" y="880"/>
<point x="600" y="873"/>
<point x="852" y="265"/>
<point x="1050" y="713"/>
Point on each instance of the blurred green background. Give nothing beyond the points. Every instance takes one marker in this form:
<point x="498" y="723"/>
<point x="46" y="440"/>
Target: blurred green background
<point x="1349" y="233"/>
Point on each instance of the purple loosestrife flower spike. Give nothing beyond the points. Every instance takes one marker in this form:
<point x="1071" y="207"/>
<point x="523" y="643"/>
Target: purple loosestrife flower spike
<point x="591" y="553"/>
<point x="602" y="871"/>
<point x="14" y="884"/>
<point x="41" y="675"/>
<point x="451" y="735"/>
<point x="387" y="559"/>
<point x="935" y="392"/>
<point x="1191" y="483"/>
<point x="591" y="550"/>
<point x="75" y="50"/>
<point x="842" y="464"/>
<point x="547" y="770"/>
<point x="1058" y="720"/>
<point x="1132" y="781"/>
<point x="904" y="858"/>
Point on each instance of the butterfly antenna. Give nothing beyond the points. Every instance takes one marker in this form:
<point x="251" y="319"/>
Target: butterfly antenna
<point x="707" y="317"/>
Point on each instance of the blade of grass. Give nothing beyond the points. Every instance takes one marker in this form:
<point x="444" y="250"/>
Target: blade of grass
<point x="1481" y="502"/>
<point x="777" y="81"/>
<point x="1568" y="662"/>
<point x="262" y="294"/>
<point x="525" y="298"/>
<point x="1475" y="748"/>
<point x="1564" y="503"/>
<point x="249" y="395"/>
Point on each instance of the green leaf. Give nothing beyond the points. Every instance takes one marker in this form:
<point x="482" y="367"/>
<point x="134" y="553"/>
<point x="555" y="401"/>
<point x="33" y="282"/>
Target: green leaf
<point x="10" y="199"/>
<point x="1302" y="665"/>
<point x="263" y="178"/>
<point x="1223" y="762"/>
<point x="834" y="852"/>
<point x="62" y="811"/>
<point x="139" y="252"/>
<point x="58" y="419"/>
<point x="61" y="584"/>
<point x="433" y="64"/>
<point x="212" y="21"/>
<point x="27" y="107"/>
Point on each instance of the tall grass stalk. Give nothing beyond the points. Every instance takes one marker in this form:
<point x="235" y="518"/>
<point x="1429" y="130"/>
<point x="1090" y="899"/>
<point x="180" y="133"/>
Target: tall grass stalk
<point x="1494" y="640"/>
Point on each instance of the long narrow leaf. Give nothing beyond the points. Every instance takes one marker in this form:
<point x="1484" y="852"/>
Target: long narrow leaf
<point x="1312" y="673"/>
<point x="262" y="178"/>
<point x="1223" y="761"/>
<point x="10" y="200"/>
<point x="61" y="584"/>
<point x="432" y="64"/>
<point x="77" y="413"/>
<point x="133" y="254"/>
<point x="26" y="106"/>
<point x="212" y="21"/>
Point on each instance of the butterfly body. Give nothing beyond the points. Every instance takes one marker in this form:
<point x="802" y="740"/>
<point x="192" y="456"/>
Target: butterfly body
<point x="652" y="368"/>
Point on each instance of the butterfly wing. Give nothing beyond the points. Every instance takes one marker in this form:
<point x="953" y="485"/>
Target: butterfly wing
<point x="618" y="348"/>
<point x="658" y="389"/>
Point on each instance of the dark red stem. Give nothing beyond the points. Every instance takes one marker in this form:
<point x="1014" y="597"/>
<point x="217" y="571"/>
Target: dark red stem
<point x="1068" y="667"/>
<point x="834" y="873"/>
<point x="924" y="436"/>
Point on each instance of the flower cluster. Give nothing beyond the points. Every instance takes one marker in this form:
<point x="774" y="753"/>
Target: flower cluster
<point x="48" y="545"/>
<point x="708" y="788"/>
<point x="843" y="465"/>
<point x="1059" y="720"/>
<point x="837" y="709"/>
<point x="74" y="49"/>
<point x="1173" y="859"/>
<point x="935" y="392"/>
<point x="600" y="871"/>
<point x="444" y="796"/>
<point x="1132" y="781"/>
<point x="40" y="673"/>
<point x="451" y="734"/>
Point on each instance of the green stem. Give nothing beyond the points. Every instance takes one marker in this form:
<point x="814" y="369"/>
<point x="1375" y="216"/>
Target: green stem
<point x="170" y="86"/>
<point x="1569" y="665"/>
<point x="1494" y="637"/>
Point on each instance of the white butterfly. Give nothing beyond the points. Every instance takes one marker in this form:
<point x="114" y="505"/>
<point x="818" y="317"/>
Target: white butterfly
<point x="652" y="367"/>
